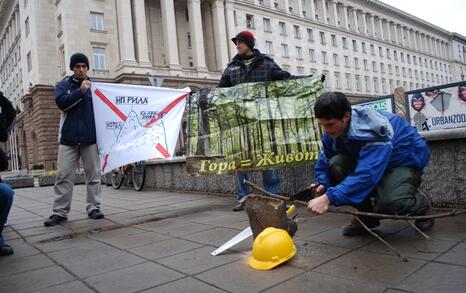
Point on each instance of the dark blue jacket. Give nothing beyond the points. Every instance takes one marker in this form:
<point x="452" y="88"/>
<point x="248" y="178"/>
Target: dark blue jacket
<point x="263" y="68"/>
<point x="378" y="141"/>
<point x="79" y="125"/>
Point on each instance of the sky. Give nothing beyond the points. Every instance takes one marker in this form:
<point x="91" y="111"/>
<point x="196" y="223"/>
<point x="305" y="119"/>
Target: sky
<point x="447" y="14"/>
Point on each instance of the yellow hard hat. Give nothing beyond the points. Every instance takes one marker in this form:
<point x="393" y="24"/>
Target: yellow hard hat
<point x="270" y="248"/>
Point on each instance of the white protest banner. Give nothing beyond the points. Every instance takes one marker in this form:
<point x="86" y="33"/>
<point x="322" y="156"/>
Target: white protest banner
<point x="135" y="123"/>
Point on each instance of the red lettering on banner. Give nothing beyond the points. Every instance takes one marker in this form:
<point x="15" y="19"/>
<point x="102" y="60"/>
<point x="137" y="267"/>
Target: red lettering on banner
<point x="162" y="150"/>
<point x="165" y="110"/>
<point x="110" y="104"/>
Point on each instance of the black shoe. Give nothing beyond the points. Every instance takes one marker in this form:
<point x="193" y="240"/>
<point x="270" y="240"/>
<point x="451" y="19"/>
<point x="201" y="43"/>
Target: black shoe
<point x="238" y="208"/>
<point x="95" y="214"/>
<point x="6" y="250"/>
<point x="354" y="228"/>
<point x="54" y="220"/>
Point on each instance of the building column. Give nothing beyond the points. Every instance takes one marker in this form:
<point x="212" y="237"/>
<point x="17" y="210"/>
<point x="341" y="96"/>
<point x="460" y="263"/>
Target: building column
<point x="312" y="9"/>
<point x="355" y="16"/>
<point x="388" y="32"/>
<point x="373" y="26"/>
<point x="406" y="36"/>
<point x="196" y="32"/>
<point x="141" y="32"/>
<point x="415" y="41"/>
<point x="286" y="5"/>
<point x="335" y="12"/>
<point x="231" y="28"/>
<point x="395" y="29"/>
<point x="300" y="8"/>
<point x="125" y="29"/>
<point x="324" y="10"/>
<point x="220" y="34"/>
<point x="402" y="36"/>
<point x="169" y="33"/>
<point x="364" y="23"/>
<point x="381" y="28"/>
<point x="345" y="15"/>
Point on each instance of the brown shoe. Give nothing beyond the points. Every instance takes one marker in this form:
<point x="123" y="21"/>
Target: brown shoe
<point x="354" y="228"/>
<point x="425" y="225"/>
<point x="238" y="208"/>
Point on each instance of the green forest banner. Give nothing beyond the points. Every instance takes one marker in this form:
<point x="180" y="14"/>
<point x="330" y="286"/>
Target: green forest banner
<point x="253" y="126"/>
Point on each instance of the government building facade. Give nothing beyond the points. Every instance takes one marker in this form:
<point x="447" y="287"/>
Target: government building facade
<point x="365" y="47"/>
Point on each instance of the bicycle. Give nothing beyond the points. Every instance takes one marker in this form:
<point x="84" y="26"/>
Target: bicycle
<point x="138" y="174"/>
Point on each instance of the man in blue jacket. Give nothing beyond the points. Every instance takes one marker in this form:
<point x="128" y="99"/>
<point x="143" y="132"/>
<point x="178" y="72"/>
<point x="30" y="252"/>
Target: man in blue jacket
<point x="250" y="65"/>
<point x="367" y="153"/>
<point x="77" y="140"/>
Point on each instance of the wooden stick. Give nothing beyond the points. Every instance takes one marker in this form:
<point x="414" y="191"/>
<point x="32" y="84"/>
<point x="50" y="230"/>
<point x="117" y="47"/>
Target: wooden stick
<point x="358" y="213"/>
<point x="380" y="238"/>
<point x="418" y="230"/>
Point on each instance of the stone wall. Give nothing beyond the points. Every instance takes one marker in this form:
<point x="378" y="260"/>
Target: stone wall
<point x="444" y="178"/>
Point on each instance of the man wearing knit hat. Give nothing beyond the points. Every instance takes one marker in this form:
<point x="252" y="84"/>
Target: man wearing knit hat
<point x="250" y="65"/>
<point x="77" y="140"/>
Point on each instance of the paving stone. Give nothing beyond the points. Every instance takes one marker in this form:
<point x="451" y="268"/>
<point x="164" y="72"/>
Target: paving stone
<point x="426" y="249"/>
<point x="214" y="237"/>
<point x="135" y="278"/>
<point x="174" y="227"/>
<point x="71" y="287"/>
<point x="13" y="264"/>
<point x="81" y="253"/>
<point x="22" y="248"/>
<point x="370" y="267"/>
<point x="197" y="260"/>
<point x="67" y="243"/>
<point x="190" y="285"/>
<point x="133" y="241"/>
<point x="436" y="277"/>
<point x="44" y="230"/>
<point x="311" y="254"/>
<point x="450" y="228"/>
<point x="34" y="280"/>
<point x="239" y="277"/>
<point x="317" y="282"/>
<point x="335" y="238"/>
<point x="164" y="248"/>
<point x="101" y="264"/>
<point x="88" y="224"/>
<point x="457" y="255"/>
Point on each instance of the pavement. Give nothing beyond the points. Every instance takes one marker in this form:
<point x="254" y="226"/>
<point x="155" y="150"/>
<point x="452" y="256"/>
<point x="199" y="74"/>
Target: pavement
<point x="157" y="241"/>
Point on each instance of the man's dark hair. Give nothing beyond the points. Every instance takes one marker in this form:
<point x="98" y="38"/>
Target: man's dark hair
<point x="331" y="105"/>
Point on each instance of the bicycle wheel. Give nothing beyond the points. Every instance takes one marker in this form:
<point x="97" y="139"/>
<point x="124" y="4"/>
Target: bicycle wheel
<point x="138" y="174"/>
<point x="118" y="176"/>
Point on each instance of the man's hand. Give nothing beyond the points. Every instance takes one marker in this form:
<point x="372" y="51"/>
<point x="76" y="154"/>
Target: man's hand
<point x="85" y="85"/>
<point x="318" y="205"/>
<point x="318" y="189"/>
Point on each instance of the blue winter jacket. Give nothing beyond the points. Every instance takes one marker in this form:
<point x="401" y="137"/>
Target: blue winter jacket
<point x="79" y="125"/>
<point x="378" y="141"/>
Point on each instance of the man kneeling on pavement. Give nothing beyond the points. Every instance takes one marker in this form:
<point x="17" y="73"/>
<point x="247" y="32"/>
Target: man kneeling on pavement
<point x="368" y="154"/>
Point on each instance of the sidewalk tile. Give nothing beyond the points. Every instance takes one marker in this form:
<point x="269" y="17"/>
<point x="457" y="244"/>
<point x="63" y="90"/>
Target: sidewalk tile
<point x="311" y="254"/>
<point x="457" y="255"/>
<point x="71" y="287"/>
<point x="215" y="237"/>
<point x="131" y="241"/>
<point x="335" y="238"/>
<point x="190" y="285"/>
<point x="13" y="264"/>
<point x="174" y="227"/>
<point x="164" y="248"/>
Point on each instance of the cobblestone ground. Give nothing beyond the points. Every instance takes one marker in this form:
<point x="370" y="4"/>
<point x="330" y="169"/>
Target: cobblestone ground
<point x="156" y="241"/>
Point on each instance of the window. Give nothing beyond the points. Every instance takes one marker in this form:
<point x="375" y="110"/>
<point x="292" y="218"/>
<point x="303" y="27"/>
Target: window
<point x="366" y="65"/>
<point x="29" y="60"/>
<point x="337" y="80"/>
<point x="408" y="58"/>
<point x="324" y="57"/>
<point x="97" y="21"/>
<point x="282" y="27"/>
<point x="59" y="25"/>
<point x="299" y="53"/>
<point x="380" y="51"/>
<point x="402" y="56"/>
<point x="189" y="40"/>
<point x="98" y="55"/>
<point x="355" y="46"/>
<point x="388" y="54"/>
<point x="384" y="85"/>
<point x="366" y="83"/>
<point x="390" y="70"/>
<point x="356" y="63"/>
<point x="403" y="71"/>
<point x="300" y="70"/>
<point x="250" y="21"/>
<point x="322" y="38"/>
<point x="395" y="55"/>
<point x="267" y="25"/>
<point x="357" y="79"/>
<point x="26" y="25"/>
<point x="310" y="35"/>
<point x="312" y="55"/>
<point x="268" y="48"/>
<point x="346" y="61"/>
<point x="297" y="32"/>
<point x="382" y="67"/>
<point x="348" y="81"/>
<point x="335" y="60"/>
<point x="414" y="60"/>
<point x="373" y="50"/>
<point x="363" y="47"/>
<point x="397" y="70"/>
<point x="345" y="43"/>
<point x="285" y="50"/>
<point x="334" y="40"/>
<point x="374" y="66"/>
<point x="376" y="85"/>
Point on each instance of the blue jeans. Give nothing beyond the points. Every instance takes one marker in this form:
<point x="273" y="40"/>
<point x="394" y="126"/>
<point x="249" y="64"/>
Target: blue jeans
<point x="270" y="178"/>
<point x="6" y="199"/>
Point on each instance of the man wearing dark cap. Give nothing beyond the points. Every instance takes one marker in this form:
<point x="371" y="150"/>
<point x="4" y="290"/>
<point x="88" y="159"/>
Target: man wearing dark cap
<point x="77" y="140"/>
<point x="250" y="65"/>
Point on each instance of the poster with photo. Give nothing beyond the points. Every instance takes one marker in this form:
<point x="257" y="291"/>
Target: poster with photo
<point x="442" y="107"/>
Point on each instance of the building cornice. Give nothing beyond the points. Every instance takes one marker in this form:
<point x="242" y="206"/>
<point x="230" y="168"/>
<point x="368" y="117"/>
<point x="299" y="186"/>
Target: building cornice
<point x="5" y="8"/>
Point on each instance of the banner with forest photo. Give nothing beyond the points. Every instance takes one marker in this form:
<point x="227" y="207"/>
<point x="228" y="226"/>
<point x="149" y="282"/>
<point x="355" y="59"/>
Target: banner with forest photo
<point x="253" y="126"/>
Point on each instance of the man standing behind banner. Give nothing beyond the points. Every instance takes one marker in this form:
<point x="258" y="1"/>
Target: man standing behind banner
<point x="77" y="140"/>
<point x="250" y="65"/>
